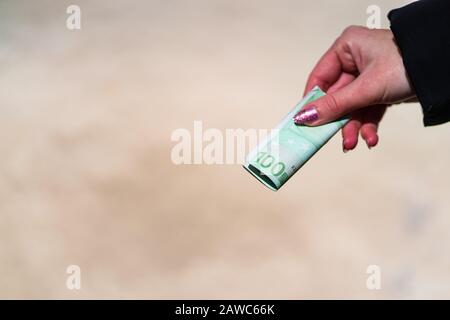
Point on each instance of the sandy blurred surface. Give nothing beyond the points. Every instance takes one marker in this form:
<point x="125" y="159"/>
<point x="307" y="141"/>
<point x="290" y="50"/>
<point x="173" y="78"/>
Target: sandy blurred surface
<point x="86" y="176"/>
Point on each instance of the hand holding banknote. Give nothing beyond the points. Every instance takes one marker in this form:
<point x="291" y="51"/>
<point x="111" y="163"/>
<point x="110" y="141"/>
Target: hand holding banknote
<point x="362" y="73"/>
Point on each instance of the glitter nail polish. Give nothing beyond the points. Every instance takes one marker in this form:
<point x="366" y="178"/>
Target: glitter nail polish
<point x="306" y="116"/>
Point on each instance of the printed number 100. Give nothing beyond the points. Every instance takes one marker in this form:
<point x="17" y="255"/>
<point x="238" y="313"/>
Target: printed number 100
<point x="265" y="160"/>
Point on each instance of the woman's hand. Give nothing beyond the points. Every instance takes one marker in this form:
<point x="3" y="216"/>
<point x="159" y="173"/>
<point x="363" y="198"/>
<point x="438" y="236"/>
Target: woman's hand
<point x="362" y="73"/>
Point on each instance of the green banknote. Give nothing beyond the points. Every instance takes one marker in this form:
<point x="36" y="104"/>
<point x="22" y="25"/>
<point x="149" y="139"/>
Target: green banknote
<point x="289" y="147"/>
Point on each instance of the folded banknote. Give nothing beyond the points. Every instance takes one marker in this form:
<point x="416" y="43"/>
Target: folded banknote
<point x="276" y="159"/>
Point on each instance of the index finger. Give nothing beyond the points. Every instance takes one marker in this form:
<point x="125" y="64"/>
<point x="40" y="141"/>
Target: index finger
<point x="326" y="72"/>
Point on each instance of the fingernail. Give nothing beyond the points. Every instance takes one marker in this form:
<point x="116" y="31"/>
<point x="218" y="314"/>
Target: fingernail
<point x="306" y="116"/>
<point x="344" y="149"/>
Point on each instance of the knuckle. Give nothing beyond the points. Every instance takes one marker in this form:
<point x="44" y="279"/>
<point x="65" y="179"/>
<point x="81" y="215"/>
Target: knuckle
<point x="331" y="104"/>
<point x="340" y="43"/>
<point x="350" y="35"/>
<point x="353" y="30"/>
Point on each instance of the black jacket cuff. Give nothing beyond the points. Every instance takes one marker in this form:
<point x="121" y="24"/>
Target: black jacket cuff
<point x="422" y="33"/>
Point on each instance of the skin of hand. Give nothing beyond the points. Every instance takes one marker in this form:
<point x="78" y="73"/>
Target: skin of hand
<point x="362" y="73"/>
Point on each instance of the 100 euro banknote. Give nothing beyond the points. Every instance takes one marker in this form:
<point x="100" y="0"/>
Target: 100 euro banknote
<point x="276" y="159"/>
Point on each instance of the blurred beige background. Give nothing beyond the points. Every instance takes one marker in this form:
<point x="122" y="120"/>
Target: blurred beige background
<point x="86" y="176"/>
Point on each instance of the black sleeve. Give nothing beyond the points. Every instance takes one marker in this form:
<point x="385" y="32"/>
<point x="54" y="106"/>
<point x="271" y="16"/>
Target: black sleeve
<point x="422" y="32"/>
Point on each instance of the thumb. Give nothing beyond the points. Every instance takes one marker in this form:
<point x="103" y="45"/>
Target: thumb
<point x="336" y="104"/>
